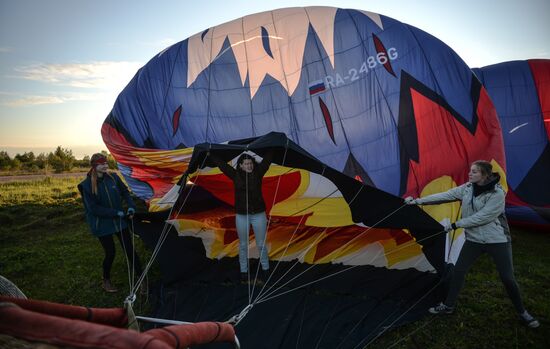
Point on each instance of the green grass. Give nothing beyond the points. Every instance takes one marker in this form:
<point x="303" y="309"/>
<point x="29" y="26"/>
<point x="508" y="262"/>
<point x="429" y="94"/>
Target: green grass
<point x="40" y="171"/>
<point x="47" y="250"/>
<point x="485" y="317"/>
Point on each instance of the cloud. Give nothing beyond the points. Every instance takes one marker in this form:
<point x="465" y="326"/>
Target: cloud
<point x="102" y="75"/>
<point x="6" y="49"/>
<point x="86" y="81"/>
<point x="33" y="100"/>
<point x="25" y="101"/>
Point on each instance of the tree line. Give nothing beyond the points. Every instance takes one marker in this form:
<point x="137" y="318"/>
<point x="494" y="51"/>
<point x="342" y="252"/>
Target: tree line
<point x="60" y="160"/>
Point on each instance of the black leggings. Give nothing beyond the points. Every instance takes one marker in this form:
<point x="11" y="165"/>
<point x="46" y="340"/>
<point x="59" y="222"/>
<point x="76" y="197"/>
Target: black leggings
<point x="109" y="247"/>
<point x="502" y="256"/>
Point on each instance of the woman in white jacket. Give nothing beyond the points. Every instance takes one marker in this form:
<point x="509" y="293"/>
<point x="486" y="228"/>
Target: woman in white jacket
<point x="486" y="231"/>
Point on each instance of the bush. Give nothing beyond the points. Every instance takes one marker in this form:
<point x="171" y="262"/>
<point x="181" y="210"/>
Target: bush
<point x="15" y="165"/>
<point x="5" y="161"/>
<point x="62" y="159"/>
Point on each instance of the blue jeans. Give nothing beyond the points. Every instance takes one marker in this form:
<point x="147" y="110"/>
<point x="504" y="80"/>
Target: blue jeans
<point x="259" y="225"/>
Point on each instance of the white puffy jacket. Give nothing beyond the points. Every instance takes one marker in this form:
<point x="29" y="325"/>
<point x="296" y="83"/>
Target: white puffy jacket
<point x="483" y="216"/>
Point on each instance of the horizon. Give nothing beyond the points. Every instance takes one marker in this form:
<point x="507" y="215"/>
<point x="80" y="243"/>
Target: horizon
<point x="79" y="151"/>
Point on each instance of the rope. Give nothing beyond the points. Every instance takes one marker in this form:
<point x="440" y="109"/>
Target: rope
<point x="279" y="261"/>
<point x="301" y="324"/>
<point x="125" y="250"/>
<point x="250" y="293"/>
<point x="270" y="296"/>
<point x="162" y="238"/>
<point x="162" y="321"/>
<point x="131" y="232"/>
<point x="412" y="332"/>
<point x="235" y="319"/>
<point x="362" y="318"/>
<point x="400" y="316"/>
<point x="343" y="246"/>
<point x="247" y="242"/>
<point x="452" y="238"/>
<point x="268" y="224"/>
<point x="290" y="240"/>
<point x="327" y="323"/>
<point x="405" y="312"/>
<point x="175" y="322"/>
<point x="271" y="293"/>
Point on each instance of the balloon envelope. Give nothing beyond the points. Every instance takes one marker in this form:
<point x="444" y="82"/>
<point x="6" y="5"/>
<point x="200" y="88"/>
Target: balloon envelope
<point x="377" y="101"/>
<point x="520" y="91"/>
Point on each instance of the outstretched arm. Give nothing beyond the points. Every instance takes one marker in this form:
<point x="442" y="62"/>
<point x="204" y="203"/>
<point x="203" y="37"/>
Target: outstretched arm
<point x="450" y="195"/>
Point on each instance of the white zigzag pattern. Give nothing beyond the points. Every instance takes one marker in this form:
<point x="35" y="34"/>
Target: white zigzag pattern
<point x="288" y="33"/>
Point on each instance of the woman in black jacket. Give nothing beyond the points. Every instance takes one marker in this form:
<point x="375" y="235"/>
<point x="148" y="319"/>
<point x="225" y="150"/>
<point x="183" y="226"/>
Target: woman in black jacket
<point x="103" y="194"/>
<point x="249" y="205"/>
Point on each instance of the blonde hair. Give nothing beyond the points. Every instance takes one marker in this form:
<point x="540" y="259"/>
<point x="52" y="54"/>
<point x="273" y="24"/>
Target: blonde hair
<point x="93" y="172"/>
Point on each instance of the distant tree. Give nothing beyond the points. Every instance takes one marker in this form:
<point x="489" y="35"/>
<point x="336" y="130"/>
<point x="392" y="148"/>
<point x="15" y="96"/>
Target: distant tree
<point x="61" y="159"/>
<point x="42" y="162"/>
<point x="55" y="162"/>
<point x="5" y="161"/>
<point x="85" y="162"/>
<point x="15" y="164"/>
<point x="26" y="158"/>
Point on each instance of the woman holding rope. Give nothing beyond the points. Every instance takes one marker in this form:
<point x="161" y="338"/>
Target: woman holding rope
<point x="486" y="231"/>
<point x="103" y="193"/>
<point x="249" y="205"/>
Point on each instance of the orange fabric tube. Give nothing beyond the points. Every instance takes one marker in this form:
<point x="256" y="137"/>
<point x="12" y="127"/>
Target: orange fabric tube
<point x="107" y="316"/>
<point x="182" y="336"/>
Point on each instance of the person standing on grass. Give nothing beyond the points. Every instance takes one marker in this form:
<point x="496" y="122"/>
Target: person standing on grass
<point x="249" y="205"/>
<point x="486" y="230"/>
<point x="103" y="193"/>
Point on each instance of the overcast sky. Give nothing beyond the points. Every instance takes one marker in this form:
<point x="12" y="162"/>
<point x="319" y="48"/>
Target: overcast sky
<point x="63" y="62"/>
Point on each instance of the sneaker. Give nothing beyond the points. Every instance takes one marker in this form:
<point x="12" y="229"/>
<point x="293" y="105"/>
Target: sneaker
<point x="441" y="309"/>
<point x="108" y="287"/>
<point x="529" y="320"/>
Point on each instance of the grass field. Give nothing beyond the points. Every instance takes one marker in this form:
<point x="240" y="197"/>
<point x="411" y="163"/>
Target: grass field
<point x="47" y="250"/>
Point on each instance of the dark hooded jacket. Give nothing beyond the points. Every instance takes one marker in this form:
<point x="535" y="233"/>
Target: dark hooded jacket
<point x="253" y="202"/>
<point x="102" y="209"/>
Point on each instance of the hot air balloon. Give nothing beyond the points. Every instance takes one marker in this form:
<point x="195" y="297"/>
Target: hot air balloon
<point x="519" y="91"/>
<point x="365" y="110"/>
